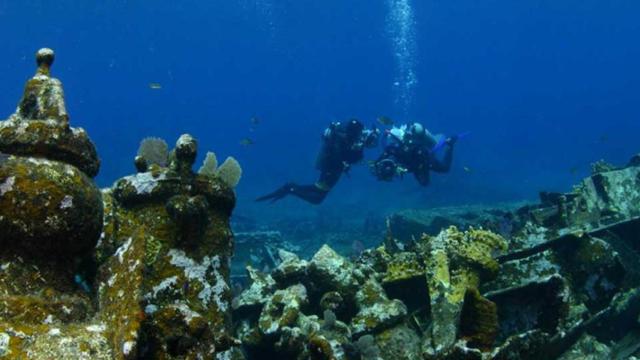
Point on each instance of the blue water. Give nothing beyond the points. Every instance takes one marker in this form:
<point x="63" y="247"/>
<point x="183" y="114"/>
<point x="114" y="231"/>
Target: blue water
<point x="544" y="87"/>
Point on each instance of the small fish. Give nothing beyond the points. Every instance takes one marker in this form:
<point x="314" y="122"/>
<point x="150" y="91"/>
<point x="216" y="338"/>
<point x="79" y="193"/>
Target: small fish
<point x="603" y="139"/>
<point x="386" y="121"/>
<point x="155" y="86"/>
<point x="466" y="169"/>
<point x="255" y="120"/>
<point x="82" y="283"/>
<point x="573" y="170"/>
<point x="246" y="142"/>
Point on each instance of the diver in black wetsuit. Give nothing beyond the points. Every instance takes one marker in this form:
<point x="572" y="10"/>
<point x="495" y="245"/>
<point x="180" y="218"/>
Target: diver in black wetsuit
<point x="343" y="145"/>
<point x="413" y="150"/>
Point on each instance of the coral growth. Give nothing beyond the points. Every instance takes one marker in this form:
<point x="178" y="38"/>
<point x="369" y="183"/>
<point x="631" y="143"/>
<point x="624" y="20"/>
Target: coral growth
<point x="350" y="296"/>
<point x="533" y="293"/>
<point x="479" y="320"/>
<point x="142" y="269"/>
<point x="209" y="165"/>
<point x="154" y="151"/>
<point x="229" y="171"/>
<point x="135" y="271"/>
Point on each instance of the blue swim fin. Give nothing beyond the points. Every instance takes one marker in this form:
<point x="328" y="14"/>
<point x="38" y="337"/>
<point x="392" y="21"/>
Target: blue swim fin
<point x="443" y="140"/>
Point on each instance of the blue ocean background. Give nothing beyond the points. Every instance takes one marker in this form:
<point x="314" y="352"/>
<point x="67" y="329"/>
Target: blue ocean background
<point x="544" y="87"/>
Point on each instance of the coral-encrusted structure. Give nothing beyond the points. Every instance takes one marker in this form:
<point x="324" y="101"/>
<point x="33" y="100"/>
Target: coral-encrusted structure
<point x="562" y="280"/>
<point x="436" y="282"/>
<point x="48" y="164"/>
<point x="141" y="270"/>
<point x="136" y="271"/>
<point x="50" y="221"/>
<point x="177" y="222"/>
<point x="456" y="263"/>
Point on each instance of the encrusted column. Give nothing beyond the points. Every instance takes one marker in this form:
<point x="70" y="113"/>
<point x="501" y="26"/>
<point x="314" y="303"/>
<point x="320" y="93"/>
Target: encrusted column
<point x="456" y="262"/>
<point x="177" y="224"/>
<point x="50" y="220"/>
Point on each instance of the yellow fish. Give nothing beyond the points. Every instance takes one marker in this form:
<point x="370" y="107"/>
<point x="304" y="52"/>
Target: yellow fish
<point x="155" y="86"/>
<point x="246" y="142"/>
<point x="386" y="121"/>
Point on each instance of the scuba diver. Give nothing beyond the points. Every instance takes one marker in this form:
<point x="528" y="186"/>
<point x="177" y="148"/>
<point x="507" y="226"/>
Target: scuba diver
<point x="414" y="150"/>
<point x="343" y="145"/>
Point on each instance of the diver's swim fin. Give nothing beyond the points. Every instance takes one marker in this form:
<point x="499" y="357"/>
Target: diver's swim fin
<point x="276" y="195"/>
<point x="442" y="140"/>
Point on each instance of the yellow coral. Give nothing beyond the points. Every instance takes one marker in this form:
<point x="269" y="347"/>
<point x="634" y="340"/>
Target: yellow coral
<point x="456" y="263"/>
<point x="403" y="266"/>
<point x="472" y="248"/>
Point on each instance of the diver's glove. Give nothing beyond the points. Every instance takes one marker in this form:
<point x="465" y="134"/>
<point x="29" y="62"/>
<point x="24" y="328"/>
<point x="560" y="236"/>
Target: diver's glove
<point x="283" y="191"/>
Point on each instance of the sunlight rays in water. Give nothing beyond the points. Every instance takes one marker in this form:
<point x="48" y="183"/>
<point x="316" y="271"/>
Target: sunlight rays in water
<point x="401" y="30"/>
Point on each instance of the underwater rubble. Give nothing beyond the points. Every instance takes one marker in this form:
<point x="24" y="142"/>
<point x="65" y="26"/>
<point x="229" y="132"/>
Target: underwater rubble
<point x="558" y="279"/>
<point x="257" y="242"/>
<point x="407" y="225"/>
<point x="142" y="270"/>
<point x="258" y="238"/>
<point x="258" y="248"/>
